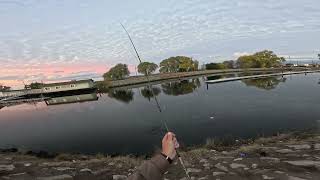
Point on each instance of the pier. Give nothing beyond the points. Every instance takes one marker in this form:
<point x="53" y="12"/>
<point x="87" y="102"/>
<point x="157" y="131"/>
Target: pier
<point x="259" y="76"/>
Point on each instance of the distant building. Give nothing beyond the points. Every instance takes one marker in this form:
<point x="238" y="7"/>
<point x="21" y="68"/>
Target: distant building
<point x="51" y="88"/>
<point x="67" y="86"/>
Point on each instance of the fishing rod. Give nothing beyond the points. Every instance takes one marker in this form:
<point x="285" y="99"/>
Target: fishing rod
<point x="156" y="100"/>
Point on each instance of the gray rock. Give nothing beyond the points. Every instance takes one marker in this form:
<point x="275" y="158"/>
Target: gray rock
<point x="111" y="164"/>
<point x="317" y="146"/>
<point x="59" y="177"/>
<point x="225" y="152"/>
<point x="276" y="160"/>
<point x="295" y="178"/>
<point x="27" y="164"/>
<point x="203" y="178"/>
<point x="254" y="166"/>
<point x="218" y="173"/>
<point x="279" y="172"/>
<point x="119" y="177"/>
<point x="284" y="151"/>
<point x="238" y="159"/>
<point x="236" y="165"/>
<point x="203" y="161"/>
<point x="221" y="167"/>
<point x="206" y="165"/>
<point x="304" y="163"/>
<point x="300" y="146"/>
<point x="193" y="170"/>
<point x="7" y="167"/>
<point x="267" y="177"/>
<point x="86" y="170"/>
<point x="64" y="168"/>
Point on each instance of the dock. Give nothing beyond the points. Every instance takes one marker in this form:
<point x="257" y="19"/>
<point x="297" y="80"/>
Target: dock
<point x="259" y="76"/>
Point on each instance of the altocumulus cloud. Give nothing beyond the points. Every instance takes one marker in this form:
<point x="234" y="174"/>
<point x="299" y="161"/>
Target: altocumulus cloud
<point x="69" y="33"/>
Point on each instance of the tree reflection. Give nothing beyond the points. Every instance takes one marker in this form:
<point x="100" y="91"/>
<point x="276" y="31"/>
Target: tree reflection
<point x="267" y="83"/>
<point x="121" y="95"/>
<point x="150" y="92"/>
<point x="181" y="87"/>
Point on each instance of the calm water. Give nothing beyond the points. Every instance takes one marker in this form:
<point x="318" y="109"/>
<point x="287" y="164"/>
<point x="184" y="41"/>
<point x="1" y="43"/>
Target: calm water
<point x="127" y="121"/>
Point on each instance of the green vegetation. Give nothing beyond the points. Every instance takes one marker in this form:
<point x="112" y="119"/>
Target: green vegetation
<point x="34" y="85"/>
<point x="102" y="86"/>
<point x="178" y="64"/>
<point x="224" y="65"/>
<point x="120" y="71"/>
<point x="147" y="68"/>
<point x="262" y="59"/>
<point x="211" y="66"/>
<point x="229" y="64"/>
<point x="4" y="88"/>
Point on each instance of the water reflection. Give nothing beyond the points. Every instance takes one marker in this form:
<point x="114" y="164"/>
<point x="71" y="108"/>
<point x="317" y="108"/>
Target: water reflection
<point x="215" y="77"/>
<point x="72" y="99"/>
<point x="267" y="83"/>
<point x="150" y="92"/>
<point x="181" y="87"/>
<point x="123" y="95"/>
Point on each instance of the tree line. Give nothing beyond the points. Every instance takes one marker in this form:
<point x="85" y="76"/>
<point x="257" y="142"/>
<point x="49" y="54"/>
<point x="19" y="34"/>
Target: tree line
<point x="262" y="59"/>
<point x="170" y="65"/>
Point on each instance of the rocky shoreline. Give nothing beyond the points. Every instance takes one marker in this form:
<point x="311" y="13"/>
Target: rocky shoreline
<point x="285" y="156"/>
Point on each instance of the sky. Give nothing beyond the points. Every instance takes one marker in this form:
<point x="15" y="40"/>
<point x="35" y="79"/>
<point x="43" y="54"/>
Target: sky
<point x="59" y="40"/>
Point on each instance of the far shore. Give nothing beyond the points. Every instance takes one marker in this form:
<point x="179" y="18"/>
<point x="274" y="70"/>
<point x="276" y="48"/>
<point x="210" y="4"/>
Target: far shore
<point x="136" y="80"/>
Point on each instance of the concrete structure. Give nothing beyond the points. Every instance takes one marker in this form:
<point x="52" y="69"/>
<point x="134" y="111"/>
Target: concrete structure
<point x="50" y="88"/>
<point x="67" y="86"/>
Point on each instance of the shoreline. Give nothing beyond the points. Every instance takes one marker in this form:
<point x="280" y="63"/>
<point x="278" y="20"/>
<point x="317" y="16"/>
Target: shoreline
<point x="137" y="80"/>
<point x="255" y="158"/>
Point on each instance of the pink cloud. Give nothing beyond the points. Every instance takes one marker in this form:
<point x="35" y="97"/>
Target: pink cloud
<point x="16" y="75"/>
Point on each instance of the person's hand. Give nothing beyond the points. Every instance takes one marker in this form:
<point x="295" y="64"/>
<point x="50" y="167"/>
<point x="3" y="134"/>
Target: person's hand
<point x="169" y="145"/>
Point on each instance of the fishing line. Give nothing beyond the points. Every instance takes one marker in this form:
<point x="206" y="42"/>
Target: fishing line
<point x="157" y="101"/>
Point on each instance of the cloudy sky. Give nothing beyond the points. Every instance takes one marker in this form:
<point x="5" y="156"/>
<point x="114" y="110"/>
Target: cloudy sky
<point x="50" y="40"/>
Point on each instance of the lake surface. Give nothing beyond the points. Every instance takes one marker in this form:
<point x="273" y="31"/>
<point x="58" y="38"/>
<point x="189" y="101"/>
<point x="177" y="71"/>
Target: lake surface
<point x="128" y="121"/>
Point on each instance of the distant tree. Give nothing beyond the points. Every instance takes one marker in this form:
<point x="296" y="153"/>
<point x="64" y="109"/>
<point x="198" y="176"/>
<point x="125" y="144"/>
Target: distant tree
<point x="229" y="64"/>
<point x="247" y="61"/>
<point x="147" y="68"/>
<point x="4" y="88"/>
<point x="262" y="59"/>
<point x="120" y="71"/>
<point x="178" y="64"/>
<point x="212" y="66"/>
<point x="34" y="85"/>
<point x="169" y="65"/>
<point x="319" y="56"/>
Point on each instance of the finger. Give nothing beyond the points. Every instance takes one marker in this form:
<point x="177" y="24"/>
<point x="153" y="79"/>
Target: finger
<point x="165" y="137"/>
<point x="176" y="143"/>
<point x="170" y="136"/>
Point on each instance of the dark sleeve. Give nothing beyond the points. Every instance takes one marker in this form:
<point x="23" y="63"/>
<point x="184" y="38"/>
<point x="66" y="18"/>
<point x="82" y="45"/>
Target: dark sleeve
<point x="152" y="169"/>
